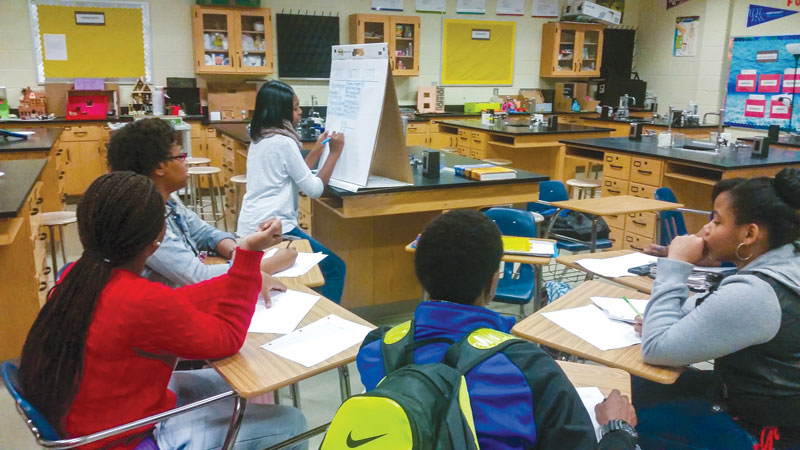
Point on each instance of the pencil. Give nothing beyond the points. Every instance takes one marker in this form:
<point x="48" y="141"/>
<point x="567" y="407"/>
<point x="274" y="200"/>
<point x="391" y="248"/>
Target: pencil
<point x="290" y="243"/>
<point x="632" y="307"/>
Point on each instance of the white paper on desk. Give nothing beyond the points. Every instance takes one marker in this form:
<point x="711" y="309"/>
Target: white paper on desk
<point x="592" y="325"/>
<point x="618" y="309"/>
<point x="591" y="396"/>
<point x="55" y="47"/>
<point x="617" y="266"/>
<point x="318" y="341"/>
<point x="26" y="133"/>
<point x="287" y="310"/>
<point x="305" y="261"/>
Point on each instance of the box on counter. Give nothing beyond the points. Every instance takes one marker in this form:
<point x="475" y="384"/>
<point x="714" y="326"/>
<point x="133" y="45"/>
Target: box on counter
<point x="230" y="99"/>
<point x="590" y="11"/>
<point x="566" y="93"/>
<point x="477" y="107"/>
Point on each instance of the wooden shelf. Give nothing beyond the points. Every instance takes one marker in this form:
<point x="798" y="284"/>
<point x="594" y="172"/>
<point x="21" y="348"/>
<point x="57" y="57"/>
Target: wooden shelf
<point x="254" y="51"/>
<point x="403" y="39"/>
<point x="208" y="50"/>
<point x="252" y="32"/>
<point x="527" y="145"/>
<point x="691" y="178"/>
<point x="209" y="30"/>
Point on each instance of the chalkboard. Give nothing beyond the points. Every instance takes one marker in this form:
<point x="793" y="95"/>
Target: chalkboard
<point x="304" y="45"/>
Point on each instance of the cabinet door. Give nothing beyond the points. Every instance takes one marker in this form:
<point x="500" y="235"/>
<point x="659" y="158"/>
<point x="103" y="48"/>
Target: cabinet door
<point x="416" y="139"/>
<point x="591" y="50"/>
<point x="369" y="29"/>
<point x="214" y="40"/>
<point x="404" y="45"/>
<point x="85" y="162"/>
<point x="254" y="41"/>
<point x="566" y="42"/>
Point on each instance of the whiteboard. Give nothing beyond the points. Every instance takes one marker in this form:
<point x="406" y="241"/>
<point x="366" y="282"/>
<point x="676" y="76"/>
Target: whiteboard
<point x="355" y="101"/>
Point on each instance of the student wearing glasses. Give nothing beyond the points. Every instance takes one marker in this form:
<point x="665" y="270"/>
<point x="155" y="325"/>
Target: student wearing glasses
<point x="149" y="147"/>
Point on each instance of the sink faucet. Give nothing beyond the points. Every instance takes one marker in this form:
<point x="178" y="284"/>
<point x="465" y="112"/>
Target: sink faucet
<point x="720" y="126"/>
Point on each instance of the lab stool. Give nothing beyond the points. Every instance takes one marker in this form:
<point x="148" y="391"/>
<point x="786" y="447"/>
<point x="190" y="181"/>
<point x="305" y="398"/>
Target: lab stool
<point x="499" y="161"/>
<point x="192" y="161"/>
<point x="57" y="220"/>
<point x="583" y="187"/>
<point x="238" y="181"/>
<point x="197" y="204"/>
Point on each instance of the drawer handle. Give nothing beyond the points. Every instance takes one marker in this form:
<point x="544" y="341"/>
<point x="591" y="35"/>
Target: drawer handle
<point x="640" y="249"/>
<point x="47" y="270"/>
<point x="34" y="211"/>
<point x="641" y="224"/>
<point x="80" y="133"/>
<point x="615" y="166"/>
<point x="39" y="200"/>
<point x="42" y="236"/>
<point x="613" y="191"/>
<point x="645" y="172"/>
<point x="42" y="286"/>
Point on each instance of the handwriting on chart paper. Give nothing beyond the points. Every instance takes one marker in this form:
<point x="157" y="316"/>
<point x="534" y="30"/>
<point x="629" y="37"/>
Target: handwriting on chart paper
<point x="343" y="99"/>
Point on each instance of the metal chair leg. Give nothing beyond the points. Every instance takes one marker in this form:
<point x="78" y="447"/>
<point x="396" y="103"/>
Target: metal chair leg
<point x="61" y="238"/>
<point x="344" y="382"/>
<point x="239" y="406"/>
<point x="51" y="231"/>
<point x="295" y="390"/>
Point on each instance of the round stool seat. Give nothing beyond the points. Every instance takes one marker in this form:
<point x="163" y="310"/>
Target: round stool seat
<point x="204" y="170"/>
<point x="193" y="161"/>
<point x="241" y="179"/>
<point x="537" y="218"/>
<point x="499" y="162"/>
<point x="58" y="218"/>
<point x="583" y="183"/>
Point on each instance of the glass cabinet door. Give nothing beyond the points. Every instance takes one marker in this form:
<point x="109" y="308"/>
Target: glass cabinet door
<point x="567" y="60"/>
<point x="255" y="42"/>
<point x="590" y="49"/>
<point x="375" y="31"/>
<point x="405" y="46"/>
<point x="217" y="41"/>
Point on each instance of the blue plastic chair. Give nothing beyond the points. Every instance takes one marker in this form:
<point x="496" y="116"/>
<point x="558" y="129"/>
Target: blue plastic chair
<point x="46" y="435"/>
<point x="521" y="287"/>
<point x="672" y="223"/>
<point x="555" y="191"/>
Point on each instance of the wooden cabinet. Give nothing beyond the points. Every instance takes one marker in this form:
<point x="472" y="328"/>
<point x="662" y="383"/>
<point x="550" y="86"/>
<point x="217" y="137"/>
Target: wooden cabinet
<point x="400" y="32"/>
<point x="571" y="50"/>
<point x="228" y="40"/>
<point x="85" y="156"/>
<point x="418" y="133"/>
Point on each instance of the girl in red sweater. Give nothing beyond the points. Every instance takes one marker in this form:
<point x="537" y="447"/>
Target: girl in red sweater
<point x="102" y="350"/>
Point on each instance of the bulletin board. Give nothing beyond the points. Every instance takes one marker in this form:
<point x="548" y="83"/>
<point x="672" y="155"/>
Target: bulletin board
<point x="760" y="82"/>
<point x="478" y="52"/>
<point x="118" y="49"/>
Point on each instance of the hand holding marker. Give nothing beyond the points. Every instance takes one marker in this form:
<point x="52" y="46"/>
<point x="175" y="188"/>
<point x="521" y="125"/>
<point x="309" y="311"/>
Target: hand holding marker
<point x="632" y="307"/>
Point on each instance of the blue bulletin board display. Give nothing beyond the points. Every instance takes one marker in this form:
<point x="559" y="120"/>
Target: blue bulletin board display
<point x="760" y="83"/>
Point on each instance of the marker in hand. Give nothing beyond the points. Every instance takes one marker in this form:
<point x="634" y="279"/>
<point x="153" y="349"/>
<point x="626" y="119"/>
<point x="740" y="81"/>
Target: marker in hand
<point x="327" y="139"/>
<point x="632" y="307"/>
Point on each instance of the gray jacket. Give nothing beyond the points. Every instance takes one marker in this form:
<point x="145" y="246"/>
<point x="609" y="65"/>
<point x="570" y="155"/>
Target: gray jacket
<point x="742" y="312"/>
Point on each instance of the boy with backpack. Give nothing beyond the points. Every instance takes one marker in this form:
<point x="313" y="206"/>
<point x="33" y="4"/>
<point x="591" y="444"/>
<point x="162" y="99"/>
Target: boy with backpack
<point x="518" y="397"/>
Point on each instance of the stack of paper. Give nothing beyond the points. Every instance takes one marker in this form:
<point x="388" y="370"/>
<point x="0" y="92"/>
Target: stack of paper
<point x="617" y="266"/>
<point x="287" y="310"/>
<point x="513" y="245"/>
<point x="303" y="263"/>
<point x="592" y="325"/>
<point x="702" y="278"/>
<point x="591" y="397"/>
<point x="318" y="341"/>
<point x="618" y="309"/>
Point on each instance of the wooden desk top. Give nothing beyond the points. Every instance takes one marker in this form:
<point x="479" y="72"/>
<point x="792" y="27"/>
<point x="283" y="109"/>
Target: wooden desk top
<point x="534" y="260"/>
<point x="541" y="330"/>
<point x="312" y="278"/>
<point x="615" y="205"/>
<point x="605" y="378"/>
<point x="641" y="283"/>
<point x="255" y="371"/>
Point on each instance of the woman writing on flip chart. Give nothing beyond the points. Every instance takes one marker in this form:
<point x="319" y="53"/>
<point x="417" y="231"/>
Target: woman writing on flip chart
<point x="276" y="172"/>
<point x="749" y="325"/>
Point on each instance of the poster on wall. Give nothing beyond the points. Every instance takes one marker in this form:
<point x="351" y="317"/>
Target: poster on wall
<point x="544" y="8"/>
<point x="758" y="14"/>
<point x="687" y="29"/>
<point x="387" y="5"/>
<point x="471" y="6"/>
<point x="761" y="82"/>
<point x="438" y="6"/>
<point x="674" y="3"/>
<point x="510" y="7"/>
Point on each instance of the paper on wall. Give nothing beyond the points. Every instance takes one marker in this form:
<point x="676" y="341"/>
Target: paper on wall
<point x="55" y="47"/>
<point x="544" y="8"/>
<point x="511" y="7"/>
<point x="431" y="5"/>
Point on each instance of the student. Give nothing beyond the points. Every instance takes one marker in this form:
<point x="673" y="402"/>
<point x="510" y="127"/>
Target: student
<point x="149" y="147"/>
<point x="520" y="397"/>
<point x="749" y="324"/>
<point x="102" y="349"/>
<point x="276" y="171"/>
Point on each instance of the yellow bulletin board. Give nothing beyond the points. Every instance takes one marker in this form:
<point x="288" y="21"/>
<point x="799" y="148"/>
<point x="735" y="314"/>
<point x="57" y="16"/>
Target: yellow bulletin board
<point x="91" y="39"/>
<point x="478" y="52"/>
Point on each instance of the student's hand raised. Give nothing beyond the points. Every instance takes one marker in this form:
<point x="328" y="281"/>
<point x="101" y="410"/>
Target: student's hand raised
<point x="268" y="234"/>
<point x="616" y="406"/>
<point x="689" y="249"/>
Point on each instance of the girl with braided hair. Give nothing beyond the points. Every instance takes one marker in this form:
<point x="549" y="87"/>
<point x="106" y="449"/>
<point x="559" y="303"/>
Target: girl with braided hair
<point x="102" y="350"/>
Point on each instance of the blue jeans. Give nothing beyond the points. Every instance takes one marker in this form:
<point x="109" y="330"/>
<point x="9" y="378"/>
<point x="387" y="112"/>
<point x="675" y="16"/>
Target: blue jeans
<point x="205" y="428"/>
<point x="332" y="267"/>
<point x="680" y="415"/>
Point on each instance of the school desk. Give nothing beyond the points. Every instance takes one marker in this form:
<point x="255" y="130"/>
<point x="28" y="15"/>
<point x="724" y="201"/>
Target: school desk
<point x="539" y="329"/>
<point x="312" y="278"/>
<point x="641" y="283"/>
<point x="605" y="378"/>
<point x="254" y="371"/>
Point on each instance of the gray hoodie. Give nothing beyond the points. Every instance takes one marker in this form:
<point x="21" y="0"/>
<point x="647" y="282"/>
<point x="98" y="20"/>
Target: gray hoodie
<point x="742" y="312"/>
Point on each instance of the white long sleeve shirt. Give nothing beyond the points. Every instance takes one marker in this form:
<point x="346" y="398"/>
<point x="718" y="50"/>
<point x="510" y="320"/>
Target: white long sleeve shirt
<point x="275" y="172"/>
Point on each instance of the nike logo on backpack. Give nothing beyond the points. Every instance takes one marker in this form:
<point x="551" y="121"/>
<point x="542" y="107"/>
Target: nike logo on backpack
<point x="353" y="443"/>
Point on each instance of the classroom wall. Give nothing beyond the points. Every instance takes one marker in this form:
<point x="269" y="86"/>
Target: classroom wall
<point x="172" y="46"/>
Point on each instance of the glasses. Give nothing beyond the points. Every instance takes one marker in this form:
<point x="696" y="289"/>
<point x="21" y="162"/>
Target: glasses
<point x="180" y="156"/>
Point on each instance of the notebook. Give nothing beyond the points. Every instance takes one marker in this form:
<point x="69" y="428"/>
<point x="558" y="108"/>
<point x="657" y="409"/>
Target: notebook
<point x="492" y="173"/>
<point x="514" y="245"/>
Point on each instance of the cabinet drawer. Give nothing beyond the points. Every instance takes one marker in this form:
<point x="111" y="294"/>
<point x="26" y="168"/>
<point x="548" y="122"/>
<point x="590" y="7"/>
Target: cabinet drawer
<point x="197" y="131"/>
<point x="616" y="236"/>
<point x="73" y="133"/>
<point x="304" y="203"/>
<point x="40" y="253"/>
<point x="105" y="133"/>
<point x="613" y="186"/>
<point x="646" y="171"/>
<point x="477" y="140"/>
<point x="568" y="118"/>
<point x="477" y="154"/>
<point x="636" y="242"/>
<point x="211" y="132"/>
<point x="615" y="221"/>
<point x="463" y="150"/>
<point x="617" y="166"/>
<point x="463" y="133"/>
<point x="417" y="128"/>
<point x="642" y="190"/>
<point x="35" y="202"/>
<point x="643" y="224"/>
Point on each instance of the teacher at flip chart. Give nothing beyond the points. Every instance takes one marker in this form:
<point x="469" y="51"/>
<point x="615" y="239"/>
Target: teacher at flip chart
<point x="276" y="171"/>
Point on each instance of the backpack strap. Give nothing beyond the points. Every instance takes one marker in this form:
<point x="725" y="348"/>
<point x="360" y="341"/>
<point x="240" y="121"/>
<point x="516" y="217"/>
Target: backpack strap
<point x="477" y="346"/>
<point x="398" y="345"/>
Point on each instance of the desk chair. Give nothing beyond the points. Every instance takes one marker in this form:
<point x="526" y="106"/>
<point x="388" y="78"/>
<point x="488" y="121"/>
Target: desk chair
<point x="46" y="436"/>
<point x="672" y="223"/>
<point x="522" y="286"/>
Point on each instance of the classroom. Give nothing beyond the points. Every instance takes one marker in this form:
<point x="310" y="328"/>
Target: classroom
<point x="520" y="223"/>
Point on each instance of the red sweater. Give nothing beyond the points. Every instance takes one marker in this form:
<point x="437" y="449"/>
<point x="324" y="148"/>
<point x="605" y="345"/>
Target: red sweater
<point x="138" y="329"/>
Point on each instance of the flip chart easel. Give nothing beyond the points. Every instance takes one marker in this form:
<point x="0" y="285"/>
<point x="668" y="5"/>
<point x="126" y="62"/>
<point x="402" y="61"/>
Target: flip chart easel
<point x="362" y="104"/>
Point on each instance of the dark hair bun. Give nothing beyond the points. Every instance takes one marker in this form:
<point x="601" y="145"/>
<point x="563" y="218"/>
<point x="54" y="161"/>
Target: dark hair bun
<point x="787" y="186"/>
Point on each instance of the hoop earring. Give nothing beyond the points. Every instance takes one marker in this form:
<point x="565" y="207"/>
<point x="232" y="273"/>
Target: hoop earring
<point x="158" y="244"/>
<point x="739" y="256"/>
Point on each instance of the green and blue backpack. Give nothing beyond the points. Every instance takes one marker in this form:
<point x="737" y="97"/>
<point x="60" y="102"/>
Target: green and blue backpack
<point x="416" y="406"/>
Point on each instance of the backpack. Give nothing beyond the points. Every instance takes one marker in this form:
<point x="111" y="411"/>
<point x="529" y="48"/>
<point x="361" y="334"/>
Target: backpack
<point x="578" y="225"/>
<point x="416" y="406"/>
